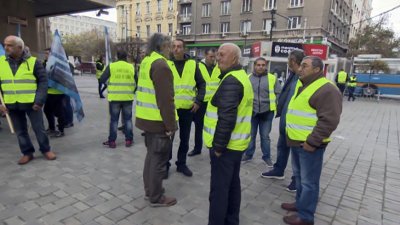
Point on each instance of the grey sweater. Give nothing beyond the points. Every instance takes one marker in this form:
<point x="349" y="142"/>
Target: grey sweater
<point x="261" y="102"/>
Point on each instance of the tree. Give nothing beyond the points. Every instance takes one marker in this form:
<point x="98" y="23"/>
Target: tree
<point x="375" y="39"/>
<point x="375" y="66"/>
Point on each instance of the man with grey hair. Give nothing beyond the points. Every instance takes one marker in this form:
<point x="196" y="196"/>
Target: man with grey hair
<point x="227" y="134"/>
<point x="156" y="116"/>
<point x="312" y="115"/>
<point x="23" y="82"/>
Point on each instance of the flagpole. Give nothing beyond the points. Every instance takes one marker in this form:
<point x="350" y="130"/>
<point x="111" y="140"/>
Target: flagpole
<point x="10" y="124"/>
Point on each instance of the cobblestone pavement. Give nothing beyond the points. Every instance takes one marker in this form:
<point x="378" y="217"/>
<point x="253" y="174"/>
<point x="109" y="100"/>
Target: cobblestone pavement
<point x="90" y="184"/>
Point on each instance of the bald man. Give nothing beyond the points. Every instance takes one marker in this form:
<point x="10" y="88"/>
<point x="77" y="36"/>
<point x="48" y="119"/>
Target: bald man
<point x="227" y="134"/>
<point x="23" y="82"/>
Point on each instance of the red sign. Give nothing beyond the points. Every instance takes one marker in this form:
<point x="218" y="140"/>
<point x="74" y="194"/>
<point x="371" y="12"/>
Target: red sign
<point x="316" y="50"/>
<point x="256" y="49"/>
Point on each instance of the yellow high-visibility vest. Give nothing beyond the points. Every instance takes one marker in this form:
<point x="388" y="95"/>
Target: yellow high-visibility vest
<point x="342" y="77"/>
<point x="352" y="82"/>
<point x="301" y="118"/>
<point x="185" y="85"/>
<point x="146" y="103"/>
<point x="240" y="137"/>
<point x="99" y="72"/>
<point x="20" y="87"/>
<point x="121" y="84"/>
<point x="212" y="81"/>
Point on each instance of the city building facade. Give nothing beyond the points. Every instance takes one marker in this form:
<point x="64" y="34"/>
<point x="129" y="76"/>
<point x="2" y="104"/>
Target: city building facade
<point x="141" y="18"/>
<point x="360" y="17"/>
<point x="74" y="24"/>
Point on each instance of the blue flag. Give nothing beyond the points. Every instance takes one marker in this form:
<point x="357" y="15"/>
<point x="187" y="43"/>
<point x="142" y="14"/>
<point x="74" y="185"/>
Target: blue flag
<point x="60" y="75"/>
<point x="2" y="52"/>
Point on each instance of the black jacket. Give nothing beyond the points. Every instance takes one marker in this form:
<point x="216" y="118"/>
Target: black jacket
<point x="227" y="99"/>
<point x="283" y="97"/>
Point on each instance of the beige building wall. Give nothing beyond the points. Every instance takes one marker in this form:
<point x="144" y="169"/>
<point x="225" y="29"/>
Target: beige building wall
<point x="141" y="18"/>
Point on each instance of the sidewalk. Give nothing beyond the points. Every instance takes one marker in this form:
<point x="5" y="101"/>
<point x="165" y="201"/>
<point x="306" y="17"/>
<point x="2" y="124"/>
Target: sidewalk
<point x="90" y="184"/>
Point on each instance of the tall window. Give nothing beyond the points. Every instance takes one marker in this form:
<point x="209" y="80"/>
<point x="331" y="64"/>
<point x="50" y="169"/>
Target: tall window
<point x="294" y="22"/>
<point x="270" y="4"/>
<point x="170" y="28"/>
<point x="186" y="29"/>
<point x="147" y="7"/>
<point x="266" y="24"/>
<point x="186" y="10"/>
<point x="245" y="26"/>
<point x="170" y="5"/>
<point x="206" y="10"/>
<point x="225" y="7"/>
<point x="138" y="9"/>
<point x="246" y="5"/>
<point x="159" y="28"/>
<point x="159" y="8"/>
<point x="225" y="27"/>
<point x="206" y="28"/>
<point x="148" y="30"/>
<point x="138" y="31"/>
<point x="296" y="3"/>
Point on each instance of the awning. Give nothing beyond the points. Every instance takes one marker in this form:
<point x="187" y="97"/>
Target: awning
<point x="44" y="8"/>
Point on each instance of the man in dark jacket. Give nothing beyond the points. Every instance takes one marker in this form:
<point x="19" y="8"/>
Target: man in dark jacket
<point x="227" y="133"/>
<point x="19" y="65"/>
<point x="283" y="150"/>
<point x="99" y="71"/>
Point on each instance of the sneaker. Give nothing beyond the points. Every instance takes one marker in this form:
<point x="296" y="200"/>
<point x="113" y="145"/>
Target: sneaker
<point x="292" y="186"/>
<point x="50" y="132"/>
<point x="128" y="143"/>
<point x="164" y="202"/>
<point x="185" y="170"/>
<point x="269" y="163"/>
<point x="273" y="174"/>
<point x="110" y="144"/>
<point x="69" y="125"/>
<point x="246" y="158"/>
<point x="57" y="134"/>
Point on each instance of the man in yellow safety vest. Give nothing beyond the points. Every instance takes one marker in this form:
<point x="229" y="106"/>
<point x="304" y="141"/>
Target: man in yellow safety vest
<point x="341" y="80"/>
<point x="99" y="70"/>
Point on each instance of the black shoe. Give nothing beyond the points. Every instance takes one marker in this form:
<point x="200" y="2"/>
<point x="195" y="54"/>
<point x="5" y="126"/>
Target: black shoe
<point x="102" y="96"/>
<point x="57" y="134"/>
<point x="69" y="125"/>
<point x="185" y="170"/>
<point x="193" y="153"/>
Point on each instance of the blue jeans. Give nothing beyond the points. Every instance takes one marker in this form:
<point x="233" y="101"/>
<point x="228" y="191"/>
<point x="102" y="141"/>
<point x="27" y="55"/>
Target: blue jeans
<point x="115" y="110"/>
<point x="307" y="167"/>
<point x="283" y="150"/>
<point x="263" y="121"/>
<point x="19" y="121"/>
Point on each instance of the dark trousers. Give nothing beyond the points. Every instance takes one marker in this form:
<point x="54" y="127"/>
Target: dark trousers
<point x="54" y="108"/>
<point x="19" y="121"/>
<point x="283" y="150"/>
<point x="69" y="114"/>
<point x="341" y="87"/>
<point x="199" y="124"/>
<point x="124" y="108"/>
<point x="101" y="88"/>
<point x="351" y="93"/>
<point x="158" y="150"/>
<point x="225" y="192"/>
<point x="185" y="123"/>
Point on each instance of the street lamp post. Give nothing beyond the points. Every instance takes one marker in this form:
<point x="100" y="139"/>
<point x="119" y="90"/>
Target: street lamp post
<point x="273" y="23"/>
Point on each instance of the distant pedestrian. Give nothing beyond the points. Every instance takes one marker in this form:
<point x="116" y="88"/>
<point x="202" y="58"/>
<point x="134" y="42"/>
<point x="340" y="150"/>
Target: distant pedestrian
<point x="23" y="82"/>
<point x="341" y="80"/>
<point x="351" y="86"/>
<point x="100" y="67"/>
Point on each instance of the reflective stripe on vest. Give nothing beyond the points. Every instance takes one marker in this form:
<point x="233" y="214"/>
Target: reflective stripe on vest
<point x="240" y="137"/>
<point x="146" y="103"/>
<point x="121" y="84"/>
<point x="20" y="87"/>
<point x="301" y="118"/>
<point x="342" y="76"/>
<point x="185" y="85"/>
<point x="211" y="81"/>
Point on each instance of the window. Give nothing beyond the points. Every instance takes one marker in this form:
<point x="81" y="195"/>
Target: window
<point x="225" y="7"/>
<point x="170" y="29"/>
<point x="206" y="28"/>
<point x="246" y="5"/>
<point x="206" y="10"/>
<point x="296" y="3"/>
<point x="294" y="22"/>
<point x="148" y="7"/>
<point x="245" y="26"/>
<point x="270" y="4"/>
<point x="138" y="31"/>
<point x="159" y="6"/>
<point x="170" y="5"/>
<point x="138" y="9"/>
<point x="148" y="30"/>
<point x="266" y="24"/>
<point x="186" y="29"/>
<point x="159" y="28"/>
<point x="186" y="10"/>
<point x="225" y="27"/>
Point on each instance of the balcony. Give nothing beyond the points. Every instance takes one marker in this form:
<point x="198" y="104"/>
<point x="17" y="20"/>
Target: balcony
<point x="147" y="17"/>
<point x="158" y="16"/>
<point x="184" y="1"/>
<point x="185" y="18"/>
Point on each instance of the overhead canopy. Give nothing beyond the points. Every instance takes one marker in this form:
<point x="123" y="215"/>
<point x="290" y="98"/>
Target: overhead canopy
<point x="44" y="8"/>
